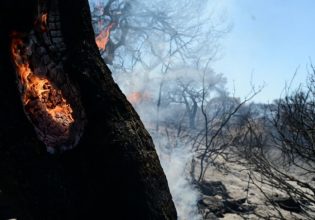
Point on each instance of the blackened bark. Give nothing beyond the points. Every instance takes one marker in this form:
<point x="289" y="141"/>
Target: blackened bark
<point x="114" y="166"/>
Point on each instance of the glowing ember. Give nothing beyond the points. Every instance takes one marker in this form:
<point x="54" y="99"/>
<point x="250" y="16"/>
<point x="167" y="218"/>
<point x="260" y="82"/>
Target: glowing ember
<point x="44" y="104"/>
<point x="103" y="38"/>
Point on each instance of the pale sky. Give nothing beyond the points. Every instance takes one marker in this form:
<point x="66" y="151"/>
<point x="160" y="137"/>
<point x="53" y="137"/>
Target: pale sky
<point x="269" y="40"/>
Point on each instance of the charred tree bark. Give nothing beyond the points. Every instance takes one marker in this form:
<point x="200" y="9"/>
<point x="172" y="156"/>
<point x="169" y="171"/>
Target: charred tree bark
<point x="114" y="165"/>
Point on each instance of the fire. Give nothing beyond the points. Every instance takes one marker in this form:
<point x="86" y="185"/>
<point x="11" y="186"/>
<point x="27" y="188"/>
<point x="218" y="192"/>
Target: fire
<point x="43" y="102"/>
<point x="103" y="38"/>
<point x="43" y="22"/>
<point x="137" y="97"/>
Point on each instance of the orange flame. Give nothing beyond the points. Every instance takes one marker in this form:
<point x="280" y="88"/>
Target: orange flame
<point x="43" y="22"/>
<point x="36" y="88"/>
<point x="138" y="97"/>
<point x="103" y="38"/>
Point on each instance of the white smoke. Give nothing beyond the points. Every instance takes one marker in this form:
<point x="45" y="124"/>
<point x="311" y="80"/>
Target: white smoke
<point x="175" y="165"/>
<point x="175" y="156"/>
<point x="152" y="82"/>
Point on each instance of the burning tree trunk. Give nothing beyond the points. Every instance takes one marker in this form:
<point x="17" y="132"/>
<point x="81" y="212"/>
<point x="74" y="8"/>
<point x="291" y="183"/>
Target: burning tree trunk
<point x="58" y="94"/>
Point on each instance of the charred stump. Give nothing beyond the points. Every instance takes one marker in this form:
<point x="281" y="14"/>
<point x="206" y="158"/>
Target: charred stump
<point x="71" y="145"/>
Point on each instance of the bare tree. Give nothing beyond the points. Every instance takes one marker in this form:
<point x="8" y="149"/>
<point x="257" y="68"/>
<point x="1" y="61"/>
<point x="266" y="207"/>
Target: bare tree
<point x="153" y="34"/>
<point x="279" y="152"/>
<point x="218" y="134"/>
<point x="295" y="122"/>
<point x="186" y="89"/>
